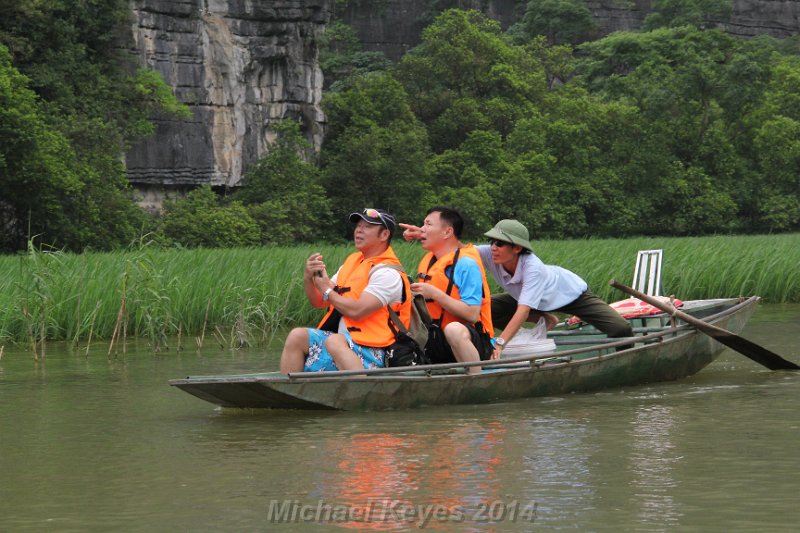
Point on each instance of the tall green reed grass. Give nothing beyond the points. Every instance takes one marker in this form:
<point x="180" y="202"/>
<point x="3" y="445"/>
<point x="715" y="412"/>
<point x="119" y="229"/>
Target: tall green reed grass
<point x="693" y="267"/>
<point x="239" y="297"/>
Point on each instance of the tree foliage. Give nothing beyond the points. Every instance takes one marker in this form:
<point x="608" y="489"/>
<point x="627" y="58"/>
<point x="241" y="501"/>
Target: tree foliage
<point x="200" y="221"/>
<point x="559" y="21"/>
<point x="71" y="106"/>
<point x="375" y="151"/>
<point x="283" y="191"/>
<point x="678" y="130"/>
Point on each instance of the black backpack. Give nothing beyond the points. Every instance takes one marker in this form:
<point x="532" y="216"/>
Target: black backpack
<point x="409" y="346"/>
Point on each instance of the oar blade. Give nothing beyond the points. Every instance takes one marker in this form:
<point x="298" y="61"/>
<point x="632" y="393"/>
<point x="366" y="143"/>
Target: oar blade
<point x="757" y="353"/>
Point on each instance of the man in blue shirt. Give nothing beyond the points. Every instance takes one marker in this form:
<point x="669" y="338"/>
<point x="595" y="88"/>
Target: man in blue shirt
<point x="532" y="286"/>
<point x="454" y="285"/>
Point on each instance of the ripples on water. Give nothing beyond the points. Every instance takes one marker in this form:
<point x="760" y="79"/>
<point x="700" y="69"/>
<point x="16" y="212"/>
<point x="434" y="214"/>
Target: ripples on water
<point x="93" y="444"/>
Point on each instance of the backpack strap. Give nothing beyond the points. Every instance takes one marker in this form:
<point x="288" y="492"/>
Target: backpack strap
<point x="424" y="276"/>
<point x="450" y="282"/>
<point x="452" y="272"/>
<point x="395" y="324"/>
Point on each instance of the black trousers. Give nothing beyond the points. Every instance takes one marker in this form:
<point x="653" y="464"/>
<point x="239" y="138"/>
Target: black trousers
<point x="587" y="306"/>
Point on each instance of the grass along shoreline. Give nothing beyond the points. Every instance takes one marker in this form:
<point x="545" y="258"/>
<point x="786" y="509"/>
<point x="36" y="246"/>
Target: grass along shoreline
<point x="243" y="296"/>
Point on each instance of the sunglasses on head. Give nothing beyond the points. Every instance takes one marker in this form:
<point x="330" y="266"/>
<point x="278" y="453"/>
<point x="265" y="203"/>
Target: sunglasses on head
<point x="499" y="244"/>
<point x="374" y="213"/>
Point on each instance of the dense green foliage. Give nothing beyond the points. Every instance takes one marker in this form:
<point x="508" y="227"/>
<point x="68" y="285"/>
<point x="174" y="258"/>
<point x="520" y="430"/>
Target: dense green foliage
<point x="560" y="21"/>
<point x="70" y="107"/>
<point x="283" y="191"/>
<point x="243" y="296"/>
<point x="200" y="221"/>
<point x="674" y="131"/>
<point x="729" y="127"/>
<point x="282" y="202"/>
<point x="677" y="130"/>
<point x="375" y="151"/>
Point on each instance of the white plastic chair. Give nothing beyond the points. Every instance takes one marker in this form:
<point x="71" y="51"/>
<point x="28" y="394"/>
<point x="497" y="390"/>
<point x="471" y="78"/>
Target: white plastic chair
<point x="647" y="275"/>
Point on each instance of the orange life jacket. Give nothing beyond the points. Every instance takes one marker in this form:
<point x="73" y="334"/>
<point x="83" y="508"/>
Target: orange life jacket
<point x="433" y="272"/>
<point x="372" y="330"/>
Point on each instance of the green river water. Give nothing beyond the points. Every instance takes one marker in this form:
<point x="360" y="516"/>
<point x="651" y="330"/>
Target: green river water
<point x="89" y="443"/>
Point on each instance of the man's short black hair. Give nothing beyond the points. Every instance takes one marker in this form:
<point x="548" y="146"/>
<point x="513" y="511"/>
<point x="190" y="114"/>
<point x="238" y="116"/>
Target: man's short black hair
<point x="451" y="217"/>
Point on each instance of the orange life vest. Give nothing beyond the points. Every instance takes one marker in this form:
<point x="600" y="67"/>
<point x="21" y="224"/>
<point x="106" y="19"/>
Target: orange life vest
<point x="435" y="274"/>
<point x="372" y="330"/>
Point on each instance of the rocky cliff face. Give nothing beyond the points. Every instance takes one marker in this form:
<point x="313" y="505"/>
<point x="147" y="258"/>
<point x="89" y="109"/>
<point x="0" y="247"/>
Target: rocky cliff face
<point x="394" y="26"/>
<point x="240" y="65"/>
<point x="779" y="18"/>
<point x="618" y="15"/>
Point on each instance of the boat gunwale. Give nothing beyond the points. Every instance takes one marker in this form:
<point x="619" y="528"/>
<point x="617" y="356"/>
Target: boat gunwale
<point x="668" y="330"/>
<point x="517" y="364"/>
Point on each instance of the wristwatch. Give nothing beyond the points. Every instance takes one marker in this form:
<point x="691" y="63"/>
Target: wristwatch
<point x="501" y="342"/>
<point x="327" y="293"/>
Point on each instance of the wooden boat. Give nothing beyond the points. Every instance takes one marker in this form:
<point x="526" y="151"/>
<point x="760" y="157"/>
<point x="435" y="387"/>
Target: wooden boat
<point x="585" y="360"/>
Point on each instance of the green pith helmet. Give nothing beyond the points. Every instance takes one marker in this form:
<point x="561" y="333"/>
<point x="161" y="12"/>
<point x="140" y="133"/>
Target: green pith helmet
<point x="510" y="230"/>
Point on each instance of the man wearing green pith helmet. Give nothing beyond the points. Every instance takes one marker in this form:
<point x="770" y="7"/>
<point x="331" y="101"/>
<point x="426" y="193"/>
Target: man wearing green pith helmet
<point x="534" y="287"/>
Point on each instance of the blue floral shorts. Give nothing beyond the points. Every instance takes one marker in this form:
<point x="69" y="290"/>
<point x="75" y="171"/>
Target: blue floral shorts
<point x="319" y="360"/>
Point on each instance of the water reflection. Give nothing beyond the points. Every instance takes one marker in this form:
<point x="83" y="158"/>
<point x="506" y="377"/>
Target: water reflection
<point x="394" y="480"/>
<point x="502" y="473"/>
<point x="556" y="463"/>
<point x="98" y="443"/>
<point x="652" y="461"/>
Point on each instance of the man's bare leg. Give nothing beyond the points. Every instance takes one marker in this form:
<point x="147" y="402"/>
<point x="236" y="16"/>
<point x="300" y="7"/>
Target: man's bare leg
<point x="295" y="350"/>
<point x="460" y="341"/>
<point x="343" y="356"/>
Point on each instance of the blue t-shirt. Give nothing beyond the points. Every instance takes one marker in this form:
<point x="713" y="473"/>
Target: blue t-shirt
<point x="539" y="286"/>
<point x="468" y="279"/>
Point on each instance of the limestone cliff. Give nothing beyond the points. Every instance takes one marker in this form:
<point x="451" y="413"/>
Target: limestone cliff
<point x="240" y="65"/>
<point x="394" y="26"/>
<point x="779" y="18"/>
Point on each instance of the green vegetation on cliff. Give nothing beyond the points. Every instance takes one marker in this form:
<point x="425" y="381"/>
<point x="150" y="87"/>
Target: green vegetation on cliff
<point x="674" y="131"/>
<point x="677" y="130"/>
<point x="70" y="105"/>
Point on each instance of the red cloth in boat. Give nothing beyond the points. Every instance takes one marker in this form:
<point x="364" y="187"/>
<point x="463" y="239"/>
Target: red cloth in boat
<point x="631" y="308"/>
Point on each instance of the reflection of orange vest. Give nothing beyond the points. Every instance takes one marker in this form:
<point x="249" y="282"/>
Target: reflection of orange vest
<point x="435" y="275"/>
<point x="372" y="330"/>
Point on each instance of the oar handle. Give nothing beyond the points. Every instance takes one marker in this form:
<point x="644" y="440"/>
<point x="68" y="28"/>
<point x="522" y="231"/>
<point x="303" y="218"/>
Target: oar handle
<point x="667" y="307"/>
<point x="670" y="309"/>
<point x="757" y="353"/>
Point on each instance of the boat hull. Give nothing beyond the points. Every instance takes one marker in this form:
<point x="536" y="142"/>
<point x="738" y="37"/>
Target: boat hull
<point x="667" y="358"/>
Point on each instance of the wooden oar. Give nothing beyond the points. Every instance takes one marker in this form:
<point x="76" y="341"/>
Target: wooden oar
<point x="757" y="353"/>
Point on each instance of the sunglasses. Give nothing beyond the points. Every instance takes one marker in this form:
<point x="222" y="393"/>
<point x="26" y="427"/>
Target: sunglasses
<point x="499" y="244"/>
<point x="374" y="213"/>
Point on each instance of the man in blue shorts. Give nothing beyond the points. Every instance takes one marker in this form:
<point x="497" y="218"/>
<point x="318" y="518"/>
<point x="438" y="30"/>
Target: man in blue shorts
<point x="356" y="329"/>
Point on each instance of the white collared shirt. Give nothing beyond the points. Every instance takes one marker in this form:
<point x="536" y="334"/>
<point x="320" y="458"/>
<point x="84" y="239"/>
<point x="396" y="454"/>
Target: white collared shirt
<point x="539" y="286"/>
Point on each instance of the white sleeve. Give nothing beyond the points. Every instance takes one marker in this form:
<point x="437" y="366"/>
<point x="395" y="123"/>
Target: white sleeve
<point x="386" y="285"/>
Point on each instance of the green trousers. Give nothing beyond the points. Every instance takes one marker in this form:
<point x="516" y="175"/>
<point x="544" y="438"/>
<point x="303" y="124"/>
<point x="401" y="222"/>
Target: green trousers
<point x="587" y="306"/>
